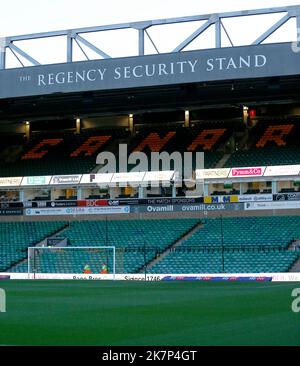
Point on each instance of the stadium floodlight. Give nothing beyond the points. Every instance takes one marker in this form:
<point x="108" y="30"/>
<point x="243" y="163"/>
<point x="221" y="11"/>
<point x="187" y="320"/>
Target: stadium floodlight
<point x="73" y="260"/>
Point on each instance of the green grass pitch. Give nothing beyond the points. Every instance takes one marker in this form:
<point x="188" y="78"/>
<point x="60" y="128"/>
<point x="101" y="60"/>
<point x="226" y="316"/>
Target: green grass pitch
<point x="148" y="313"/>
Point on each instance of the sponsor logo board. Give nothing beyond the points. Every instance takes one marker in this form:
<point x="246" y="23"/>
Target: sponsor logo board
<point x="159" y="176"/>
<point x="77" y="211"/>
<point x="255" y="197"/>
<point x="212" y="173"/>
<point x="221" y="199"/>
<point x="96" y="178"/>
<point x="92" y="203"/>
<point x="188" y="208"/>
<point x="128" y="177"/>
<point x="10" y="181"/>
<point x="36" y="181"/>
<point x="287" y="196"/>
<point x="279" y="205"/>
<point x="65" y="179"/>
<point x="11" y="212"/>
<point x="282" y="170"/>
<point x="275" y="277"/>
<point x="247" y="172"/>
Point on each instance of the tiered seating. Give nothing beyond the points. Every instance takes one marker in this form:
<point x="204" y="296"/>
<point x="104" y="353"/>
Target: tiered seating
<point x="206" y="139"/>
<point x="64" y="153"/>
<point x="37" y="152"/>
<point x="274" y="144"/>
<point x="193" y="139"/>
<point x="68" y="153"/>
<point x="236" y="262"/>
<point x="154" y="142"/>
<point x="16" y="237"/>
<point x="129" y="238"/>
<point x="181" y="139"/>
<point x="131" y="235"/>
<point x="251" y="244"/>
<point x="269" y="155"/>
<point x="90" y="146"/>
<point x="66" y="261"/>
<point x="276" y="134"/>
<point x="247" y="231"/>
<point x="211" y="158"/>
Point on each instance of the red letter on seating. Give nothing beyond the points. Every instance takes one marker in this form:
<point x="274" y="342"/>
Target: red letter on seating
<point x="36" y="153"/>
<point x="207" y="139"/>
<point x="275" y="134"/>
<point x="155" y="142"/>
<point x="90" y="146"/>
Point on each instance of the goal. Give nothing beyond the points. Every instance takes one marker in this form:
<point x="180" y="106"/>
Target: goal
<point x="73" y="260"/>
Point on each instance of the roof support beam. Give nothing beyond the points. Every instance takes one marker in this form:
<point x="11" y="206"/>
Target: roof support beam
<point x="193" y="36"/>
<point x="271" y="30"/>
<point x="288" y="9"/>
<point x="23" y="54"/>
<point x="151" y="40"/>
<point x="77" y="34"/>
<point x="298" y="28"/>
<point x="141" y="42"/>
<point x="3" y="46"/>
<point x="218" y="33"/>
<point x="91" y="46"/>
<point x="81" y="49"/>
<point x="227" y="35"/>
<point x="2" y="58"/>
<point x="69" y="48"/>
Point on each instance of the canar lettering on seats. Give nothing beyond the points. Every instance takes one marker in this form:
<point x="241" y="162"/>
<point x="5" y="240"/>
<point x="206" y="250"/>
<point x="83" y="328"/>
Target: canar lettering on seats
<point x="90" y="146"/>
<point x="207" y="139"/>
<point x="276" y="134"/>
<point x="40" y="150"/>
<point x="155" y="142"/>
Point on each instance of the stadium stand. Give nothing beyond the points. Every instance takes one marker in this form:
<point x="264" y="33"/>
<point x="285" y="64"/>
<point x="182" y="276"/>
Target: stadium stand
<point x="16" y="237"/>
<point x="268" y="143"/>
<point x="239" y="232"/>
<point x="70" y="153"/>
<point x="195" y="261"/>
<point x="61" y="153"/>
<point x="273" y="144"/>
<point x="251" y="244"/>
<point x="128" y="236"/>
<point x="269" y="155"/>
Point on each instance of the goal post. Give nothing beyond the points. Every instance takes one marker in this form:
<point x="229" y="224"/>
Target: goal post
<point x="73" y="260"/>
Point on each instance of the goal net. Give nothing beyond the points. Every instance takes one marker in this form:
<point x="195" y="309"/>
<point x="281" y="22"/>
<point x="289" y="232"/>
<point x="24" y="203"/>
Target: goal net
<point x="74" y="260"/>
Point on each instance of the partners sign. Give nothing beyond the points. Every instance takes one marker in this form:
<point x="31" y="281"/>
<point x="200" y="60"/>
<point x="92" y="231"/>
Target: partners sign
<point x="219" y="173"/>
<point x="10" y="181"/>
